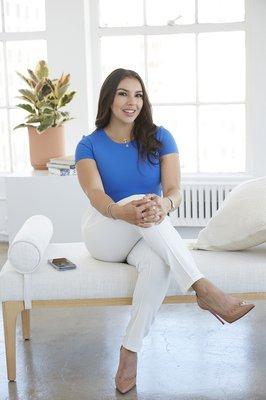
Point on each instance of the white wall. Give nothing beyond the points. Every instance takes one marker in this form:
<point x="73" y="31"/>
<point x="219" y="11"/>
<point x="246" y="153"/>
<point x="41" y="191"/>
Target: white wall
<point x="3" y="211"/>
<point x="256" y="86"/>
<point x="68" y="48"/>
<point x="70" y="51"/>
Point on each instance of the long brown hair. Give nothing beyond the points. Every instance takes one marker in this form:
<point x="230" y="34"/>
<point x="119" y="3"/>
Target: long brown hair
<point x="144" y="129"/>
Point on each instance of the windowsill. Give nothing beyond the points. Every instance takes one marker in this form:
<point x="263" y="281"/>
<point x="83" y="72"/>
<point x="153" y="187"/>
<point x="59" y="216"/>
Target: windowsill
<point x="216" y="177"/>
<point x="31" y="173"/>
<point x="185" y="177"/>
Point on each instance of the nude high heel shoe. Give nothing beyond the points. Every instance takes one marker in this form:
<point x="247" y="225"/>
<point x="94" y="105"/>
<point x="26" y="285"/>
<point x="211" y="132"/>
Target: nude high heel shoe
<point x="124" y="385"/>
<point x="237" y="312"/>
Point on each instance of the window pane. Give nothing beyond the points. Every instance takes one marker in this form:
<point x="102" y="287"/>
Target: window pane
<point x="179" y="11"/>
<point x="20" y="56"/>
<point x="221" y="10"/>
<point x="222" y="66"/>
<point x="121" y="13"/>
<point x="2" y="79"/>
<point x="1" y="24"/>
<point x="20" y="141"/>
<point x="171" y="68"/>
<point x="4" y="143"/>
<point x="122" y="52"/>
<point x="24" y="15"/>
<point x="181" y="122"/>
<point x="222" y="138"/>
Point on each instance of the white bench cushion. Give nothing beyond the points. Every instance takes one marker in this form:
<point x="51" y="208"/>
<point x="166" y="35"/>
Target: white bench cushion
<point x="232" y="271"/>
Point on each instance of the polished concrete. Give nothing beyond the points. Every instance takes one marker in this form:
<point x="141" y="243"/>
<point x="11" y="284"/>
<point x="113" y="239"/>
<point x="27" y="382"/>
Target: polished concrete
<point x="73" y="354"/>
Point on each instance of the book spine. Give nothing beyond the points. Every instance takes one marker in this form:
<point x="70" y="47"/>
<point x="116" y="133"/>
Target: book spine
<point x="60" y="166"/>
<point x="62" y="162"/>
<point x="62" y="172"/>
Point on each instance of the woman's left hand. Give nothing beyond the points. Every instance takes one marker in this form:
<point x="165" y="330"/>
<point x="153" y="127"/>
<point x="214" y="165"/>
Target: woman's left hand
<point x="158" y="211"/>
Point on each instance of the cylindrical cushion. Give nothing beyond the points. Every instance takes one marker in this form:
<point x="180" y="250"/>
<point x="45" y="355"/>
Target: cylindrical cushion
<point x="30" y="243"/>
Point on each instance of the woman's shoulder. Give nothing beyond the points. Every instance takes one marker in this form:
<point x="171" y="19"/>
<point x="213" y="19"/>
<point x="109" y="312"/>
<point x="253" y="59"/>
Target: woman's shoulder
<point x="91" y="137"/>
<point x="88" y="141"/>
<point x="161" y="132"/>
<point x="86" y="146"/>
<point x="168" y="141"/>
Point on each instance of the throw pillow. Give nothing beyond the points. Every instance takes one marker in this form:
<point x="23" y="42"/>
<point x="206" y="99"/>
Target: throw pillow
<point x="240" y="222"/>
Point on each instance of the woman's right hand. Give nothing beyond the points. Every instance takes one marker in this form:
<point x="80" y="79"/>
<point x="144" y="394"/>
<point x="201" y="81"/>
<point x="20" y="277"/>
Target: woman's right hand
<point x="132" y="213"/>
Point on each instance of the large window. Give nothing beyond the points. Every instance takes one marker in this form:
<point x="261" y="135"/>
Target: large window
<point x="191" y="55"/>
<point x="22" y="43"/>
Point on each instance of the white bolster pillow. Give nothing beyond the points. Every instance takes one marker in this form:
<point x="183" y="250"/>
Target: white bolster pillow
<point x="26" y="250"/>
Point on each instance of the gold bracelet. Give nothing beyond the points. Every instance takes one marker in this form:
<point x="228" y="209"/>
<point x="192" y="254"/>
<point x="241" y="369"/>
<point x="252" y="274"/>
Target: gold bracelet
<point x="108" y="210"/>
<point x="173" y="208"/>
<point x="111" y="211"/>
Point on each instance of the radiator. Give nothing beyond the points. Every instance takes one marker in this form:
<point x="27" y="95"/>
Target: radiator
<point x="199" y="203"/>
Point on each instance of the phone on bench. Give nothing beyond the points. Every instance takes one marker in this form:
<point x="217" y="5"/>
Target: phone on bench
<point x="62" y="264"/>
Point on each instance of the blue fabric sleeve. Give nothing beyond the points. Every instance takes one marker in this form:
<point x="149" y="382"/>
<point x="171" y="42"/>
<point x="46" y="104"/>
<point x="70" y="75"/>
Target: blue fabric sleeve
<point x="84" y="149"/>
<point x="169" y="143"/>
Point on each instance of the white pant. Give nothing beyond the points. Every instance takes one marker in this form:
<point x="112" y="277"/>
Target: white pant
<point x="154" y="251"/>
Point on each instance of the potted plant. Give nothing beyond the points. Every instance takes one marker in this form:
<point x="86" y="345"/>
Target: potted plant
<point x="44" y="99"/>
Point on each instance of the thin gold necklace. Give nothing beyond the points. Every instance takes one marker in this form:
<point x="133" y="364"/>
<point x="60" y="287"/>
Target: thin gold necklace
<point x="123" y="140"/>
<point x="126" y="142"/>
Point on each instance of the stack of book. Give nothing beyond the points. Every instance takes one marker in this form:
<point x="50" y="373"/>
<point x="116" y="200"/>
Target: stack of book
<point x="64" y="165"/>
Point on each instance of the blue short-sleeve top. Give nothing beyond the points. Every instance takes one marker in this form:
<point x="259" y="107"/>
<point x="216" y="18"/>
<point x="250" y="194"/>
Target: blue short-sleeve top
<point x="123" y="173"/>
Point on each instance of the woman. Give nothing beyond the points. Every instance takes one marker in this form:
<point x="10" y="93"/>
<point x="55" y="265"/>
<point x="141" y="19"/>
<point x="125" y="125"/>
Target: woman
<point x="122" y="167"/>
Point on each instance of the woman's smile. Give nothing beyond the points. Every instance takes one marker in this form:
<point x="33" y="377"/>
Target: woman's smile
<point x="129" y="112"/>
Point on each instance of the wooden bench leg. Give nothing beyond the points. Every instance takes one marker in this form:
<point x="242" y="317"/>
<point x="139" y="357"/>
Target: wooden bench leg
<point x="25" y="318"/>
<point x="10" y="312"/>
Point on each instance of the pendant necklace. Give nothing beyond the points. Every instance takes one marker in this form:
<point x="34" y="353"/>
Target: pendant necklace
<point x="125" y="142"/>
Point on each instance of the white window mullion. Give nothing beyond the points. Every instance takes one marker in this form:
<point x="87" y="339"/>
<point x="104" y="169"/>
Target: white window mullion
<point x="197" y="88"/>
<point x="8" y="110"/>
<point x="6" y="90"/>
<point x="96" y="36"/>
<point x="95" y="44"/>
<point x="3" y="20"/>
<point x="175" y="29"/>
<point x="146" y="77"/>
<point x="5" y="106"/>
<point x="197" y="100"/>
<point x="200" y="103"/>
<point x="23" y="35"/>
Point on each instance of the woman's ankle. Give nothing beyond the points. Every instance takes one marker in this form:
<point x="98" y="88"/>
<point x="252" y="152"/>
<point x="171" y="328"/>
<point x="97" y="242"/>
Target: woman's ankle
<point x="201" y="286"/>
<point x="127" y="350"/>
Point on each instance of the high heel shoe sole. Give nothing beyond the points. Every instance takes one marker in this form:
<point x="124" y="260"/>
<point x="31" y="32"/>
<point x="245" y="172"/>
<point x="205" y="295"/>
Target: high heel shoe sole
<point x="245" y="309"/>
<point x="125" y="389"/>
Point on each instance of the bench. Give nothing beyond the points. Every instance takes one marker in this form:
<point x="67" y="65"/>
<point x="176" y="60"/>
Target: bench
<point x="98" y="283"/>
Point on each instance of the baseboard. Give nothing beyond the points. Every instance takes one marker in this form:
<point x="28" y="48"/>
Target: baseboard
<point x="4" y="237"/>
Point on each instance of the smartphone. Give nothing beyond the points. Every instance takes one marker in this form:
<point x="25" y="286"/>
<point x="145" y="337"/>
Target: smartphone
<point x="62" y="264"/>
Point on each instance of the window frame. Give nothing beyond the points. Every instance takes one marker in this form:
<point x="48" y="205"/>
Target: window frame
<point x="84" y="46"/>
<point x="4" y="38"/>
<point x="98" y="32"/>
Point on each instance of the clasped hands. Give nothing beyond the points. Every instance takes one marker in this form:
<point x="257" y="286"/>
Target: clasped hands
<point x="151" y="210"/>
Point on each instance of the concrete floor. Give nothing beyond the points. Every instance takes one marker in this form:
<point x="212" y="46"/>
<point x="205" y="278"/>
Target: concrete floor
<point x="73" y="354"/>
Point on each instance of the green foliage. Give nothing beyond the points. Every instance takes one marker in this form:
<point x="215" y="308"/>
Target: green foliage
<point x="44" y="98"/>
